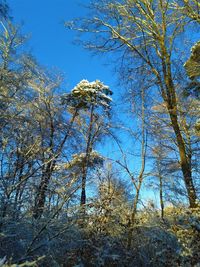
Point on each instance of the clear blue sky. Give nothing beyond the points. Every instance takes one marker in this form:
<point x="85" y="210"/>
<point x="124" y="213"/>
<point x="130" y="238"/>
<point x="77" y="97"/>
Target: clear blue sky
<point x="51" y="43"/>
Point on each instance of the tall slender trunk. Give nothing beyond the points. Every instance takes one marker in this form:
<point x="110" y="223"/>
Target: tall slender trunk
<point x="161" y="197"/>
<point x="83" y="186"/>
<point x="160" y="189"/>
<point x="87" y="158"/>
<point x="141" y="174"/>
<point x="18" y="189"/>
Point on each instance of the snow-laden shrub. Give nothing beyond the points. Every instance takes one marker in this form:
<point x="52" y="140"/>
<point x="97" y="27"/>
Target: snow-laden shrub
<point x="185" y="224"/>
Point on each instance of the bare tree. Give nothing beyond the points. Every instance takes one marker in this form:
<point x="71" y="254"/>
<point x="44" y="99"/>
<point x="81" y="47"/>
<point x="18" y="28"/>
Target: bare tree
<point x="147" y="31"/>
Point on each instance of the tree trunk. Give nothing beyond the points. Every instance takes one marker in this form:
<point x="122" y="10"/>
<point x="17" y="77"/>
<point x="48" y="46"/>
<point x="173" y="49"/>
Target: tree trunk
<point x="87" y="158"/>
<point x="41" y="195"/>
<point x="83" y="185"/>
<point x="161" y="196"/>
<point x="185" y="161"/>
<point x="46" y="176"/>
<point x="141" y="174"/>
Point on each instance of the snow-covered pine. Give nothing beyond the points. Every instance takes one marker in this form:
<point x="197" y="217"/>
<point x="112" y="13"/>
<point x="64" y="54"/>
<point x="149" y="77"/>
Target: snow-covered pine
<point x="86" y="93"/>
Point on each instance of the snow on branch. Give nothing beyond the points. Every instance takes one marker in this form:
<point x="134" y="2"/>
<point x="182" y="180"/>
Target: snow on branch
<point x="86" y="93"/>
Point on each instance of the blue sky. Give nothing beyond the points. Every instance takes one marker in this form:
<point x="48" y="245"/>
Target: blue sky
<point x="51" y="43"/>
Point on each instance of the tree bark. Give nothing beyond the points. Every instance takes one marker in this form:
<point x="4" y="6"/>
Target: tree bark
<point x="46" y="176"/>
<point x="87" y="158"/>
<point x="171" y="99"/>
<point x="185" y="161"/>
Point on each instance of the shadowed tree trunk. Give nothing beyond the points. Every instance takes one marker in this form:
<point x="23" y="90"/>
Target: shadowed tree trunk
<point x="48" y="171"/>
